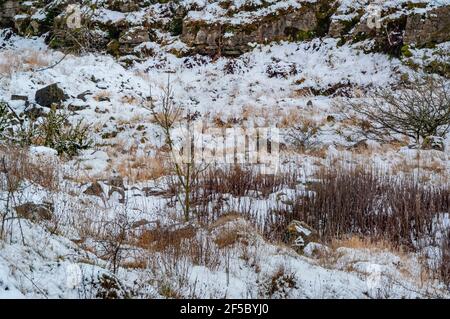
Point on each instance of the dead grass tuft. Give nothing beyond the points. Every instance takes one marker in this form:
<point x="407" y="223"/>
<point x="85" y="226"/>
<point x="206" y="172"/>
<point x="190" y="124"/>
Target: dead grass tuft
<point x="22" y="167"/>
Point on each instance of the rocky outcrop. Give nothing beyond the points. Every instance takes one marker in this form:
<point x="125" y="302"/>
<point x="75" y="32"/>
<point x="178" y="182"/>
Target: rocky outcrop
<point x="431" y="27"/>
<point x="49" y="95"/>
<point x="227" y="38"/>
<point x="127" y="28"/>
<point x="8" y="9"/>
<point x="414" y="25"/>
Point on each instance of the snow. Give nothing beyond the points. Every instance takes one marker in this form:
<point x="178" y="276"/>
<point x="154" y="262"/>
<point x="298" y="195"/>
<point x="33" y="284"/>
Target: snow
<point x="43" y="151"/>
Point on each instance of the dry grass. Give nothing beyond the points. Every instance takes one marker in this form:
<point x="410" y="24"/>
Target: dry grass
<point x="142" y="168"/>
<point x="225" y="219"/>
<point x="26" y="60"/>
<point x="161" y="239"/>
<point x="358" y="242"/>
<point x="363" y="201"/>
<point x="35" y="59"/>
<point x="22" y="167"/>
<point x="230" y="230"/>
<point x="9" y="63"/>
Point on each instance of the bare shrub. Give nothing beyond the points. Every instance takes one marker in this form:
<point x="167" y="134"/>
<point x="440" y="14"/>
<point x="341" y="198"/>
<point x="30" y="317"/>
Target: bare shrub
<point x="216" y="184"/>
<point x="443" y="269"/>
<point x="114" y="238"/>
<point x="420" y="110"/>
<point x="304" y="135"/>
<point x="364" y="202"/>
<point x="186" y="171"/>
<point x="241" y="181"/>
<point x="181" y="242"/>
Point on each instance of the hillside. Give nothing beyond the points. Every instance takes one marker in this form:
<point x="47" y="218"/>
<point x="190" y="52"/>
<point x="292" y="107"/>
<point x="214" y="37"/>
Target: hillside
<point x="225" y="149"/>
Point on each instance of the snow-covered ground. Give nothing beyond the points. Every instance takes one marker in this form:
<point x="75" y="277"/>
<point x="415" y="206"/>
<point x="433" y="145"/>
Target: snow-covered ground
<point x="275" y="85"/>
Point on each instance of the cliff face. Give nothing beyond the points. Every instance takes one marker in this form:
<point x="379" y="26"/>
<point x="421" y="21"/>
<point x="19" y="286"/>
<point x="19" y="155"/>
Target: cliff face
<point x="231" y="28"/>
<point x="235" y="36"/>
<point x="8" y="9"/>
<point x="430" y="27"/>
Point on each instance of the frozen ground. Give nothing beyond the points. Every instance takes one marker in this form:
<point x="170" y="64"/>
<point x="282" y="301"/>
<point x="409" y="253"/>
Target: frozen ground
<point x="265" y="87"/>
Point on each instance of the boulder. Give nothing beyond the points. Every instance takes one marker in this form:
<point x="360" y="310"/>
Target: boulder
<point x="298" y="234"/>
<point x="21" y="23"/>
<point x="49" y="95"/>
<point x="16" y="97"/>
<point x="129" y="40"/>
<point x="233" y="39"/>
<point x="8" y="9"/>
<point x="35" y="212"/>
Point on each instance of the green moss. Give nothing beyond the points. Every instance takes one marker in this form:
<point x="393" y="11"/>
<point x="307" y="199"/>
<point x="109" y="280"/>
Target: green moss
<point x="55" y="43"/>
<point x="411" y="64"/>
<point x="349" y="24"/>
<point x="304" y="35"/>
<point x="406" y="52"/>
<point x="414" y="5"/>
<point x="360" y="36"/>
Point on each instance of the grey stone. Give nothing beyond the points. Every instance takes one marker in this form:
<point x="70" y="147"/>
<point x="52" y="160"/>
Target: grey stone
<point x="49" y="95"/>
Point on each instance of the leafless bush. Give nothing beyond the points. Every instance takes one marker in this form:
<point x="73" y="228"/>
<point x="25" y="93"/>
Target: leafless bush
<point x="304" y="135"/>
<point x="181" y="242"/>
<point x="241" y="181"/>
<point x="174" y="250"/>
<point x="420" y="110"/>
<point x="364" y="202"/>
<point x="215" y="184"/>
<point x="443" y="268"/>
<point x="114" y="239"/>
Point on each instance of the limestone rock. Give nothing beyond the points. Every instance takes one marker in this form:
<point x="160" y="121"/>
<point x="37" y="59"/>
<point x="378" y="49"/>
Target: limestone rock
<point x="49" y="95"/>
<point x="432" y="27"/>
<point x="231" y="40"/>
<point x="299" y="234"/>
